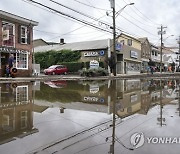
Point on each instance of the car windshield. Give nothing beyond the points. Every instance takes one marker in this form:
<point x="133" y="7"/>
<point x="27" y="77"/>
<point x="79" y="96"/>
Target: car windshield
<point x="52" y="67"/>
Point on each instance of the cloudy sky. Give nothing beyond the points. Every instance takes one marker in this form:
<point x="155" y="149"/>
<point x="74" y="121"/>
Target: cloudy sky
<point x="140" y="20"/>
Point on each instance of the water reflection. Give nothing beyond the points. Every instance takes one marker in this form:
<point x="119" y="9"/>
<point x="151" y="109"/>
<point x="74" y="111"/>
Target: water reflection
<point x="121" y="98"/>
<point x="16" y="111"/>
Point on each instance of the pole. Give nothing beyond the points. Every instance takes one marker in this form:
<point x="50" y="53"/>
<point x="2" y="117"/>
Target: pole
<point x="161" y="32"/>
<point x="114" y="37"/>
<point x="179" y="51"/>
<point x="161" y="48"/>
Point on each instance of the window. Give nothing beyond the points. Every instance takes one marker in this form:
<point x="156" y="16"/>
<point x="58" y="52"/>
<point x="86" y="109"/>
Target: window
<point x="22" y="94"/>
<point x="22" y="60"/>
<point x="24" y="35"/>
<point x="129" y="42"/>
<point x="122" y="42"/>
<point x="24" y="119"/>
<point x="8" y="31"/>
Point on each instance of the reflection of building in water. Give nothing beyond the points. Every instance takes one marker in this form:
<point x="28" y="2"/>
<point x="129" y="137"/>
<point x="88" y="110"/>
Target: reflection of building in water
<point x="16" y="107"/>
<point x="128" y="97"/>
<point x="140" y="96"/>
<point x="93" y="97"/>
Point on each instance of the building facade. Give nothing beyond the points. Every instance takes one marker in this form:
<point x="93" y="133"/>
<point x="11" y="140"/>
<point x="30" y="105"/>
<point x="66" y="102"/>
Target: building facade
<point x="16" y="35"/>
<point x="145" y="53"/>
<point x="129" y="57"/>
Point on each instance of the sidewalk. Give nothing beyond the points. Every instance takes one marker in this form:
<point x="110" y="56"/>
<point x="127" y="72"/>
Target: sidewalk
<point x="42" y="77"/>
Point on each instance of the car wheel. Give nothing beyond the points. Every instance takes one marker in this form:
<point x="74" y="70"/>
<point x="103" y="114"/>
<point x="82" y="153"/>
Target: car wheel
<point x="53" y="73"/>
<point x="65" y="73"/>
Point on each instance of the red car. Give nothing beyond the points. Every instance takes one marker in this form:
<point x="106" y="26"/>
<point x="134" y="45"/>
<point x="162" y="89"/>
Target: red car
<point x="56" y="69"/>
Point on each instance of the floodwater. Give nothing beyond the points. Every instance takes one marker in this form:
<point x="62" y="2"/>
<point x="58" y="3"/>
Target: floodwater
<point x="90" y="117"/>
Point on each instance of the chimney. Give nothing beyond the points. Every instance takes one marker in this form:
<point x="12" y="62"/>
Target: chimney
<point x="62" y="41"/>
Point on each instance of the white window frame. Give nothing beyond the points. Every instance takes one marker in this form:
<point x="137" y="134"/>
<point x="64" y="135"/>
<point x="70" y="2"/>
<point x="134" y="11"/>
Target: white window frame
<point x="20" y="60"/>
<point x="129" y="42"/>
<point x="9" y="23"/>
<point x="22" y="93"/>
<point x="24" y="36"/>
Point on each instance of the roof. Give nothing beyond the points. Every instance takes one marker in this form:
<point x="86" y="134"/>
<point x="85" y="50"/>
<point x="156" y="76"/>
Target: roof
<point x="143" y="39"/>
<point x="16" y="18"/>
<point x="122" y="34"/>
<point x="39" y="42"/>
<point x="76" y="46"/>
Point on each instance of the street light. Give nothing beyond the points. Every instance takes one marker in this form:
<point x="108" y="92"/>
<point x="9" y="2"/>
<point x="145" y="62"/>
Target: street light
<point x="115" y="14"/>
<point x="167" y="37"/>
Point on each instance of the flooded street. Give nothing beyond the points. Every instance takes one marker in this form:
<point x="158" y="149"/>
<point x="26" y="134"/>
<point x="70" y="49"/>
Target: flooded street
<point x="89" y="117"/>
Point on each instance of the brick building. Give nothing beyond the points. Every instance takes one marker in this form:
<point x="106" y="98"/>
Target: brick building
<point x="16" y="35"/>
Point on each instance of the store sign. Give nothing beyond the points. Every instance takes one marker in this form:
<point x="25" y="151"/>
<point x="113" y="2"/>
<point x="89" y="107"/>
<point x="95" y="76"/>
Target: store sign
<point x="133" y="54"/>
<point x="118" y="46"/>
<point x="11" y="50"/>
<point x="91" y="54"/>
<point x="94" y="64"/>
<point x="134" y="98"/>
<point x="5" y="35"/>
<point x="94" y="99"/>
<point x="94" y="89"/>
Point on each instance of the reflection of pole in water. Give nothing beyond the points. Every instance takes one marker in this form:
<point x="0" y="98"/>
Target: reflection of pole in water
<point x="161" y="119"/>
<point x="178" y="97"/>
<point x="113" y="129"/>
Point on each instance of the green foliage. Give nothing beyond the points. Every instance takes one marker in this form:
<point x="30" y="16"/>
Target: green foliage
<point x="93" y="72"/>
<point x="73" y="66"/>
<point x="46" y="59"/>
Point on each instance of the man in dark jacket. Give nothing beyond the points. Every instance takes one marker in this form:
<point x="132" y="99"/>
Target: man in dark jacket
<point x="151" y="65"/>
<point x="11" y="62"/>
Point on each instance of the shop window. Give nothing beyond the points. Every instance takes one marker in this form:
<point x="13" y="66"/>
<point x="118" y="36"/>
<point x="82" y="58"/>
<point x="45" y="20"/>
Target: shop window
<point x="22" y="60"/>
<point x="24" y="35"/>
<point x="129" y="42"/>
<point x="133" y="66"/>
<point x="8" y="34"/>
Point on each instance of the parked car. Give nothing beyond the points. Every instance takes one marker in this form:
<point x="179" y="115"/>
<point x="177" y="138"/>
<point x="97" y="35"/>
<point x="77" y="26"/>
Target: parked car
<point x="56" y="69"/>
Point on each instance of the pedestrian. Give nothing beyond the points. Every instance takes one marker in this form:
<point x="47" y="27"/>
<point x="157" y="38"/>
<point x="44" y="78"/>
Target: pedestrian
<point x="11" y="62"/>
<point x="173" y="67"/>
<point x="151" y="65"/>
<point x="7" y="70"/>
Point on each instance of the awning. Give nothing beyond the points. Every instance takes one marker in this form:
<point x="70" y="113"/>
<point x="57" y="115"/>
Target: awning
<point x="11" y="50"/>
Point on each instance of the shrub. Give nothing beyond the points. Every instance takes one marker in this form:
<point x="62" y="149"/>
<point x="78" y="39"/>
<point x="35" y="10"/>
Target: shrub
<point x="73" y="66"/>
<point x="93" y="72"/>
<point x="46" y="59"/>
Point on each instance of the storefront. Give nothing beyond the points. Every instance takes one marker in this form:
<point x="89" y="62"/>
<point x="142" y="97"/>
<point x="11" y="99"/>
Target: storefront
<point x="132" y="64"/>
<point x="21" y="60"/>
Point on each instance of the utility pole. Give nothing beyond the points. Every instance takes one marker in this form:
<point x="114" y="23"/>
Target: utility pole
<point x="178" y="41"/>
<point x="161" y="32"/>
<point x="161" y="119"/>
<point x="112" y="2"/>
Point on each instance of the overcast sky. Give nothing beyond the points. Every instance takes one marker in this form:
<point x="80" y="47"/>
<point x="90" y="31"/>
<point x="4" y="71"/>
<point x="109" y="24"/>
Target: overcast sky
<point x="141" y="19"/>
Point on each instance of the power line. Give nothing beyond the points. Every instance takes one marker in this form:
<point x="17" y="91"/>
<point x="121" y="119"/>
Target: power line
<point x="138" y="26"/>
<point x="86" y="23"/>
<point x="91" y="6"/>
<point x="72" y="17"/>
<point x="144" y="16"/>
<point x="137" y="19"/>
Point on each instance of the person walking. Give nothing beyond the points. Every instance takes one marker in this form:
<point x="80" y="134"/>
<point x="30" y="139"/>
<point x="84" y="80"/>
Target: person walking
<point x="151" y="65"/>
<point x="11" y="63"/>
<point x="173" y="67"/>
